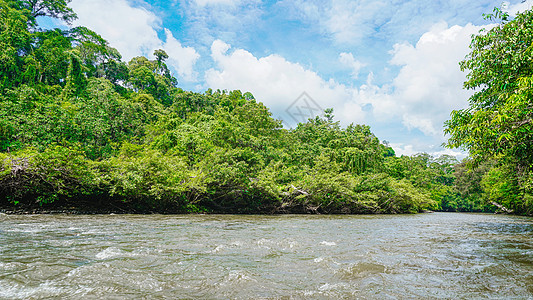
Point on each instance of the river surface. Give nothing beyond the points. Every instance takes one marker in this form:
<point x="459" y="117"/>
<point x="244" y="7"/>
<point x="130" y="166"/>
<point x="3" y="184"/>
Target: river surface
<point x="439" y="255"/>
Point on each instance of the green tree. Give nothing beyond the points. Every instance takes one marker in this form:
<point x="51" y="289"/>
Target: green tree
<point x="80" y="127"/>
<point x="153" y="77"/>
<point x="498" y="124"/>
<point x="498" y="120"/>
<point x="50" y="8"/>
<point x="15" y="43"/>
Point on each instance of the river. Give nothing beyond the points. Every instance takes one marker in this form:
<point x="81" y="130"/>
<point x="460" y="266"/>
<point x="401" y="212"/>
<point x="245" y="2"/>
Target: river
<point x="438" y="255"/>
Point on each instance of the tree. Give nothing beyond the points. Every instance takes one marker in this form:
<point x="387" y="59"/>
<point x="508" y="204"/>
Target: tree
<point x="50" y="8"/>
<point x="76" y="80"/>
<point x="95" y="53"/>
<point x="498" y="124"/>
<point x="153" y="77"/>
<point x="15" y="41"/>
<point x="52" y="54"/>
<point x="78" y="127"/>
<point x="160" y="57"/>
<point x="499" y="119"/>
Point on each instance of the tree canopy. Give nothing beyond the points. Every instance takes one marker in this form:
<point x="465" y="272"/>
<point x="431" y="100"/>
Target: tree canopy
<point x="79" y="127"/>
<point x="498" y="120"/>
<point x="498" y="124"/>
<point x="47" y="8"/>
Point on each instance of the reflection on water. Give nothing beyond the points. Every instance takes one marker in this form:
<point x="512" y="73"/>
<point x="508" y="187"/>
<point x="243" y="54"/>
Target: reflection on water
<point x="440" y="255"/>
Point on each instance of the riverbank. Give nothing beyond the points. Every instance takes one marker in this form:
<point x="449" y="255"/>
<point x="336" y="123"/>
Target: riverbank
<point x="52" y="209"/>
<point x="203" y="207"/>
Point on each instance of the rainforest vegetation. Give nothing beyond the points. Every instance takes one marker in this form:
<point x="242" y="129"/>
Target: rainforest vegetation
<point x="82" y="129"/>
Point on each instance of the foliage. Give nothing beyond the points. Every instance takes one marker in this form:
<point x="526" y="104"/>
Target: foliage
<point x="56" y="173"/>
<point x="498" y="124"/>
<point x="498" y="120"/>
<point x="50" y="8"/>
<point x="81" y="128"/>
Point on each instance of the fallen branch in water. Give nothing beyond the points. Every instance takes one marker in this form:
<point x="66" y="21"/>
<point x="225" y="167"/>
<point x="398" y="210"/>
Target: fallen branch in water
<point x="502" y="208"/>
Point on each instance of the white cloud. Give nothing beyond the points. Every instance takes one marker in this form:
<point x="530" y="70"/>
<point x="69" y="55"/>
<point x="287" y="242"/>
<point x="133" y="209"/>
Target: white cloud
<point x="133" y="31"/>
<point x="457" y="154"/>
<point x="429" y="84"/>
<point x="402" y="149"/>
<point x="427" y="88"/>
<point x="278" y="83"/>
<point x="355" y="65"/>
<point x="181" y="58"/>
<point x="409" y="150"/>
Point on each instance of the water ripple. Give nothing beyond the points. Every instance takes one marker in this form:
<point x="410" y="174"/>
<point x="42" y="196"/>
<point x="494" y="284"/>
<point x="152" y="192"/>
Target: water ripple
<point x="266" y="257"/>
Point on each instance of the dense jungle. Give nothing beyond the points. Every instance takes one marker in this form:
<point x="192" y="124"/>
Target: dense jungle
<point x="82" y="130"/>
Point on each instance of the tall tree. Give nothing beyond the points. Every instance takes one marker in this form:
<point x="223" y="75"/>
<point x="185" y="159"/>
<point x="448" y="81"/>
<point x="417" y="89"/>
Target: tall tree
<point x="15" y="41"/>
<point x="498" y="120"/>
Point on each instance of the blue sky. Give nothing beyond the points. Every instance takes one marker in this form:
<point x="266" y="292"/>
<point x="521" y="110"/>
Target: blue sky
<point x="390" y="64"/>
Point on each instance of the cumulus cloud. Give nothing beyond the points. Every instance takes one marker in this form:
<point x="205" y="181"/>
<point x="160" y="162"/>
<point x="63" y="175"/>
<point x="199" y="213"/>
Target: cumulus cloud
<point x="429" y="84"/>
<point x="349" y="61"/>
<point x="427" y="88"/>
<point x="402" y="149"/>
<point x="409" y="150"/>
<point x="279" y="83"/>
<point x="181" y="58"/>
<point x="133" y="31"/>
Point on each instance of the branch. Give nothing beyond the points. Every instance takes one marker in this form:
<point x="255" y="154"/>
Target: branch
<point x="522" y="123"/>
<point x="503" y="208"/>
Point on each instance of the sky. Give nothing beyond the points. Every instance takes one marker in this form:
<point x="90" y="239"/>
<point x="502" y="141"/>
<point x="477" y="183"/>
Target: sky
<point x="389" y="64"/>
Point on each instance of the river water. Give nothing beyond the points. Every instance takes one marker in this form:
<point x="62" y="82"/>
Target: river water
<point x="439" y="255"/>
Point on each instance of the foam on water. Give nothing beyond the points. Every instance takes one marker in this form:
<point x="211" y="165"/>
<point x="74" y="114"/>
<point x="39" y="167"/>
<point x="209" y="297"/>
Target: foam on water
<point x="113" y="252"/>
<point x="328" y="243"/>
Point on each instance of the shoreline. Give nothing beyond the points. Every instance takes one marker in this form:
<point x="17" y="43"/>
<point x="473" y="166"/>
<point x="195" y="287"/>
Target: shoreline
<point x="73" y="211"/>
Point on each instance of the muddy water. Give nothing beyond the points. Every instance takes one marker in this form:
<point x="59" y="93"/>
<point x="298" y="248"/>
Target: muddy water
<point x="440" y="255"/>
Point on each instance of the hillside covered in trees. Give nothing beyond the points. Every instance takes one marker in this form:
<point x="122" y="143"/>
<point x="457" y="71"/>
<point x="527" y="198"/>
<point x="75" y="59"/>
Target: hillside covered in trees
<point x="81" y="129"/>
